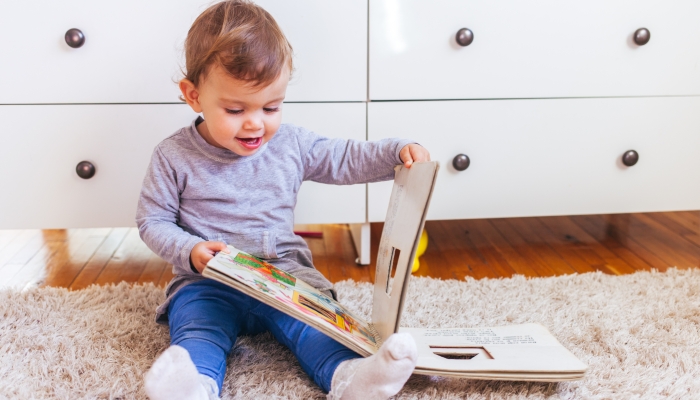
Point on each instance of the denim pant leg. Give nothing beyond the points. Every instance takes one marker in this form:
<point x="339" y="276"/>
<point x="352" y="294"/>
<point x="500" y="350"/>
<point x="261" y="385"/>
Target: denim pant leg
<point x="318" y="354"/>
<point x="205" y="318"/>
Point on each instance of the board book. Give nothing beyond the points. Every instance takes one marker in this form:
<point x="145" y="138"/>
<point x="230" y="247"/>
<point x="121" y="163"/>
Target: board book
<point x="516" y="352"/>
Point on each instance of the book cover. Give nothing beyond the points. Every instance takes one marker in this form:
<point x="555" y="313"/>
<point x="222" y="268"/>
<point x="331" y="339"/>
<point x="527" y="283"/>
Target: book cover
<point x="517" y="352"/>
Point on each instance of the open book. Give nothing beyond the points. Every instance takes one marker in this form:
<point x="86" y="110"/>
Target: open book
<point x="517" y="352"/>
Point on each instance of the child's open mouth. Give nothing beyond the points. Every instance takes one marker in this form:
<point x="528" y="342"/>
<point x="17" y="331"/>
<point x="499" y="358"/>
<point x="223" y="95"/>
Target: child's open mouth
<point x="250" y="143"/>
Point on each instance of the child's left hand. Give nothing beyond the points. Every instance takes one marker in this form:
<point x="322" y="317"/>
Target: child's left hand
<point x="413" y="153"/>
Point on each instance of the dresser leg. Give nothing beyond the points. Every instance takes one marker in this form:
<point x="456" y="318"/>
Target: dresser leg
<point x="360" y="237"/>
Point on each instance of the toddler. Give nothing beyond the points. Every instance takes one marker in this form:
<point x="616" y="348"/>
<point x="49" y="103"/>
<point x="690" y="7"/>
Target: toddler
<point x="232" y="177"/>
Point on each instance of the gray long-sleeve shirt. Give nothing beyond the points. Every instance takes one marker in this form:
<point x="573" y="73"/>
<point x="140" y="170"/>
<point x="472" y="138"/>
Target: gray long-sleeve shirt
<point x="194" y="192"/>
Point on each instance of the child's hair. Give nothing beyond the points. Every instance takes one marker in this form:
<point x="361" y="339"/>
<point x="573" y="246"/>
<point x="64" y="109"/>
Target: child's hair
<point x="242" y="38"/>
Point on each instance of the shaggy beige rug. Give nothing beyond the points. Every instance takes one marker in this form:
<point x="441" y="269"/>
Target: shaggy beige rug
<point x="639" y="334"/>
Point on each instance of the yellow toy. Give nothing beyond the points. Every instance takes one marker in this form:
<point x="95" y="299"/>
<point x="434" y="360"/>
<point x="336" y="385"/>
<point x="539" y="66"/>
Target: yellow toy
<point x="422" y="246"/>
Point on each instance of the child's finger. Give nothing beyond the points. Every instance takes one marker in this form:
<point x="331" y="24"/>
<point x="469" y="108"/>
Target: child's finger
<point x="420" y="154"/>
<point x="406" y="156"/>
<point x="224" y="248"/>
<point x="218" y="246"/>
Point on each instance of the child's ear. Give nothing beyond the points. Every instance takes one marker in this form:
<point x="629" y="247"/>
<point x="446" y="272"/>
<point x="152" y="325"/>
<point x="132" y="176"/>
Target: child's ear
<point x="190" y="94"/>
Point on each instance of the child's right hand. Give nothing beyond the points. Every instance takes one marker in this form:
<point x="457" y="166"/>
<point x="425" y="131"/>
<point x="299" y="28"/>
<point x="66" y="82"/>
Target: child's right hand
<point x="413" y="152"/>
<point x="202" y="252"/>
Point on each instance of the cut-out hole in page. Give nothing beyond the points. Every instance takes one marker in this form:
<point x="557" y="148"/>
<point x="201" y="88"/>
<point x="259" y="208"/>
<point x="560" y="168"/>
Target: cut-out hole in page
<point x="393" y="263"/>
<point x="461" y="353"/>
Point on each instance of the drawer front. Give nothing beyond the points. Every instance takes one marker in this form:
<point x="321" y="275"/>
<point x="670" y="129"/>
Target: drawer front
<point x="42" y="145"/>
<point x="133" y="50"/>
<point x="549" y="157"/>
<point x="533" y="49"/>
<point x="318" y="203"/>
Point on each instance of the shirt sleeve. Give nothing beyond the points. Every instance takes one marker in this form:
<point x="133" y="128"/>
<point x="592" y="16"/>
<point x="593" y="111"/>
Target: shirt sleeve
<point x="157" y="216"/>
<point x="347" y="161"/>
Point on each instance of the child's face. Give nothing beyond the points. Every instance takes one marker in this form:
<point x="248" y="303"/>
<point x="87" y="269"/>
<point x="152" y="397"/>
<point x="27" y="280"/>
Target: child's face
<point x="237" y="116"/>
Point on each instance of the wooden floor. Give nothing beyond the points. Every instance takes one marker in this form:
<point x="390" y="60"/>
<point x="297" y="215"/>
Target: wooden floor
<point x="486" y="248"/>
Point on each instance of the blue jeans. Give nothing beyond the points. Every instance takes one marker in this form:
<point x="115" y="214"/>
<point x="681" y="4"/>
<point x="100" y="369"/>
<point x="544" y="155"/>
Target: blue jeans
<point x="206" y="317"/>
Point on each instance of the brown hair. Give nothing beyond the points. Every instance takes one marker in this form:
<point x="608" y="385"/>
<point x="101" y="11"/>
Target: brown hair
<point x="242" y="38"/>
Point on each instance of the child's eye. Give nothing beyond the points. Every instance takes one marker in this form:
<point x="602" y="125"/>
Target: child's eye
<point x="234" y="111"/>
<point x="271" y="110"/>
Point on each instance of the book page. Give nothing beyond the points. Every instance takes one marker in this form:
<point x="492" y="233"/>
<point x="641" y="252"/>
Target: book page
<point x="526" y="351"/>
<point x="405" y="218"/>
<point x="294" y="297"/>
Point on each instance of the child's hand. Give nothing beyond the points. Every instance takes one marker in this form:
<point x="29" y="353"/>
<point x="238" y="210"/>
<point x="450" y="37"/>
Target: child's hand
<point x="202" y="252"/>
<point x="413" y="153"/>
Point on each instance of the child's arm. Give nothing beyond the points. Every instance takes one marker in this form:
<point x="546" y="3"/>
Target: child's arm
<point x="347" y="162"/>
<point x="157" y="216"/>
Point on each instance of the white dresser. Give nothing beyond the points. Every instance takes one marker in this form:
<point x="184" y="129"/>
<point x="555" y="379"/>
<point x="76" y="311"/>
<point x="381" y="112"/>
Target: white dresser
<point x="544" y="101"/>
<point x="112" y="99"/>
<point x="543" y="98"/>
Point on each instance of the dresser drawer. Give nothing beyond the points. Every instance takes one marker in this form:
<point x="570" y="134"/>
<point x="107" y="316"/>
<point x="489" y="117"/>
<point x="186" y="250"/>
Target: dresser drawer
<point x="533" y="49"/>
<point x="133" y="50"/>
<point x="549" y="157"/>
<point x="42" y="145"/>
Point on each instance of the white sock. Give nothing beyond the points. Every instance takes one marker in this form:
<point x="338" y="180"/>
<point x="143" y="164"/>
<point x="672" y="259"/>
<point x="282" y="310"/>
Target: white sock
<point x="379" y="376"/>
<point x="174" y="377"/>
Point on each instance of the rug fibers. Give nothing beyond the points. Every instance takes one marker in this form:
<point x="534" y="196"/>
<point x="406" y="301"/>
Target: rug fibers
<point x="639" y="335"/>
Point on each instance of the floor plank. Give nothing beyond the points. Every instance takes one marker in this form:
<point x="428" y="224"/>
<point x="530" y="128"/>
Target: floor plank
<point x="34" y="271"/>
<point x="480" y="248"/>
<point x="132" y="254"/>
<point x="14" y="247"/>
<point x="522" y="247"/>
<point x="153" y="270"/>
<point x="676" y="246"/>
<point x="677" y="222"/>
<point x="620" y="253"/>
<point x="56" y="251"/>
<point x="578" y="256"/>
<point x="7" y="236"/>
<point x="532" y="236"/>
<point x="581" y="251"/>
<point x="492" y="257"/>
<point x="461" y="256"/>
<point x="104" y="253"/>
<point x="64" y="276"/>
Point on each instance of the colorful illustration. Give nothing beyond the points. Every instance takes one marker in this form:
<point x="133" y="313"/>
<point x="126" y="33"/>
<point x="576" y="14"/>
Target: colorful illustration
<point x="271" y="273"/>
<point x="268" y="281"/>
<point x="331" y="311"/>
<point x="262" y="286"/>
<point x="265" y="268"/>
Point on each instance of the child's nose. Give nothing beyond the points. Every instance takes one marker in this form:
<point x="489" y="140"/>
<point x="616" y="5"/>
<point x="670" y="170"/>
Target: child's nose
<point x="253" y="122"/>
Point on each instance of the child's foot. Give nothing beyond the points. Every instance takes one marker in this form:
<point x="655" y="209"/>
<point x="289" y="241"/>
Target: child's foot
<point x="174" y="377"/>
<point x="379" y="376"/>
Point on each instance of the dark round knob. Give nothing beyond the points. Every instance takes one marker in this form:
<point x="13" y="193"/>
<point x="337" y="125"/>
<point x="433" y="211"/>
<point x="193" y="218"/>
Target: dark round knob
<point x="75" y="38"/>
<point x="642" y="36"/>
<point x="630" y="158"/>
<point x="85" y="169"/>
<point x="460" y="162"/>
<point x="464" y="37"/>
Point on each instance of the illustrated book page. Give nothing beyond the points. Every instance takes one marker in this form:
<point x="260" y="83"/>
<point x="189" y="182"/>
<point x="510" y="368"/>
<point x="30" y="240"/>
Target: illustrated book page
<point x="294" y="297"/>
